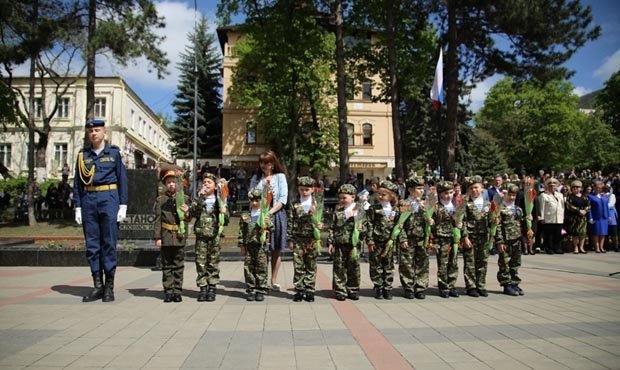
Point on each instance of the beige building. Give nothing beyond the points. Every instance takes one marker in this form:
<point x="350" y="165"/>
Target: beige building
<point x="130" y="125"/>
<point x="370" y="126"/>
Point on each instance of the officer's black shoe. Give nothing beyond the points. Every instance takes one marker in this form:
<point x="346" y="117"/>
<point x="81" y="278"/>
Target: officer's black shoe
<point x="378" y="293"/>
<point x="483" y="293"/>
<point x="354" y="296"/>
<point x="211" y="294"/>
<point x="259" y="297"/>
<point x="202" y="296"/>
<point x="250" y="297"/>
<point x="108" y="290"/>
<point x="387" y="294"/>
<point x="444" y="293"/>
<point x="518" y="289"/>
<point x="177" y="298"/>
<point x="420" y="295"/>
<point x="168" y="297"/>
<point x="298" y="297"/>
<point x="473" y="293"/>
<point x="509" y="290"/>
<point x="454" y="293"/>
<point x="309" y="297"/>
<point x="340" y="298"/>
<point x="97" y="292"/>
<point x="408" y="294"/>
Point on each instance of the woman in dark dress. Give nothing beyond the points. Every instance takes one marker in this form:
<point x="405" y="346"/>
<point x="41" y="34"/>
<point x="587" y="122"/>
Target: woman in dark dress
<point x="577" y="207"/>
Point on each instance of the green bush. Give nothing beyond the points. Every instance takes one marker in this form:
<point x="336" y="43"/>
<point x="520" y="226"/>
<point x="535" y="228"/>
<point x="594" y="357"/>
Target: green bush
<point x="17" y="185"/>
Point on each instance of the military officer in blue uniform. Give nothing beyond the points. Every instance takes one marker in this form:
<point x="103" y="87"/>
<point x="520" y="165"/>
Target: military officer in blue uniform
<point x="100" y="197"/>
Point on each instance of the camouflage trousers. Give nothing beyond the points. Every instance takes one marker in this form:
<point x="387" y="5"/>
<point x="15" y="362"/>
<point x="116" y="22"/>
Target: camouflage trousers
<point x="509" y="262"/>
<point x="207" y="262"/>
<point x="304" y="261"/>
<point x="255" y="269"/>
<point x="173" y="263"/>
<point x="346" y="271"/>
<point x="476" y="262"/>
<point x="447" y="264"/>
<point x="413" y="266"/>
<point x="381" y="267"/>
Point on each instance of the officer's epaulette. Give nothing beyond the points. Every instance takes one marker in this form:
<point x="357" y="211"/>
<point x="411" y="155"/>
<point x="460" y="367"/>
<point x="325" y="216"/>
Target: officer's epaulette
<point x="114" y="147"/>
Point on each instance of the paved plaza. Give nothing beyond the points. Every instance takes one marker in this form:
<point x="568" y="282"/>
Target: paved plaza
<point x="569" y="318"/>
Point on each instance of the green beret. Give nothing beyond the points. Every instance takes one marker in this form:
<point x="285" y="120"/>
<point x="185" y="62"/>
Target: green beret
<point x="512" y="188"/>
<point x="211" y="176"/>
<point x="444" y="186"/>
<point x="414" y="181"/>
<point x="389" y="186"/>
<point x="347" y="189"/>
<point x="255" y="194"/>
<point x="305" y="181"/>
<point x="473" y="180"/>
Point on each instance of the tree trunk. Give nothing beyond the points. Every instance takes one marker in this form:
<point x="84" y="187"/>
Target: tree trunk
<point x="90" y="65"/>
<point x="394" y="100"/>
<point x="447" y="169"/>
<point x="32" y="221"/>
<point x="343" y="137"/>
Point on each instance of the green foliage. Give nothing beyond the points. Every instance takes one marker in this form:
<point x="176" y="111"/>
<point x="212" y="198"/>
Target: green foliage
<point x="209" y="137"/>
<point x="287" y="83"/>
<point x="541" y="128"/>
<point x="608" y="102"/>
<point x="488" y="158"/>
<point x="14" y="185"/>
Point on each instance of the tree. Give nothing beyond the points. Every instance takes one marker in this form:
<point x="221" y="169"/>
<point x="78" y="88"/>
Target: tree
<point x="521" y="38"/>
<point x="285" y="81"/>
<point x="202" y="52"/>
<point x="608" y="102"/>
<point x="540" y="126"/>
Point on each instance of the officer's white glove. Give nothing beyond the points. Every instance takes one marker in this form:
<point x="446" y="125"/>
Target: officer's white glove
<point x="122" y="213"/>
<point x="78" y="216"/>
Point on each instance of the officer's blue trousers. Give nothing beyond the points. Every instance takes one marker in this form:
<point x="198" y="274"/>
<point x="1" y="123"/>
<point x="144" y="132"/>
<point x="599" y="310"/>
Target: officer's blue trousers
<point x="99" y="213"/>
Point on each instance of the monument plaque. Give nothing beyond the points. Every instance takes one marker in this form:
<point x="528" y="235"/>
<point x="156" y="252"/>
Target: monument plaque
<point x="143" y="185"/>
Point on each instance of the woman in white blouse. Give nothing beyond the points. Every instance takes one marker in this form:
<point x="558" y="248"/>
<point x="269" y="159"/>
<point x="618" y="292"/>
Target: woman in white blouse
<point x="271" y="171"/>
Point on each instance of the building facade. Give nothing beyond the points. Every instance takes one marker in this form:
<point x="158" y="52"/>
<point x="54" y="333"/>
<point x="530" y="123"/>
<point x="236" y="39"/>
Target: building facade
<point x="130" y="125"/>
<point x="371" y="140"/>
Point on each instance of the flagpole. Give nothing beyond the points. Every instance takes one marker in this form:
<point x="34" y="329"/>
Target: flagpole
<point x="195" y="179"/>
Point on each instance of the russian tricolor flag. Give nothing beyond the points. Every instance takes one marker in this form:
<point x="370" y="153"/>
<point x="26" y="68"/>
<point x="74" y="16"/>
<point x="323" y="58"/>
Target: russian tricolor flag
<point x="437" y="90"/>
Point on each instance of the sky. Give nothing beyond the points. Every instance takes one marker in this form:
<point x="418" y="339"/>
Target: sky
<point x="593" y="63"/>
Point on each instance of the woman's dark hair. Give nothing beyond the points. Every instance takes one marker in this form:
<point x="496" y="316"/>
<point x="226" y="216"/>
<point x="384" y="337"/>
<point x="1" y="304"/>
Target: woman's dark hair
<point x="269" y="157"/>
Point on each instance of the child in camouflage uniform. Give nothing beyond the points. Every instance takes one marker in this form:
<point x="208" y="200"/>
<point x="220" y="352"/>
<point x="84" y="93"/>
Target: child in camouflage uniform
<point x="382" y="216"/>
<point x="443" y="242"/>
<point x="477" y="224"/>
<point x="413" y="267"/>
<point x="207" y="209"/>
<point x="255" y="265"/>
<point x="167" y="238"/>
<point x="300" y="236"/>
<point x="348" y="214"/>
<point x="510" y="230"/>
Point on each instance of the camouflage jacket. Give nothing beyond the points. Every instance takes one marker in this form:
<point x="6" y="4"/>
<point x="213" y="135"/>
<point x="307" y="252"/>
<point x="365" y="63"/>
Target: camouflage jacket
<point x="444" y="222"/>
<point x="475" y="221"/>
<point x="511" y="225"/>
<point x="342" y="229"/>
<point x="207" y="222"/>
<point x="166" y="216"/>
<point x="415" y="226"/>
<point x="381" y="225"/>
<point x="300" y="225"/>
<point x="250" y="232"/>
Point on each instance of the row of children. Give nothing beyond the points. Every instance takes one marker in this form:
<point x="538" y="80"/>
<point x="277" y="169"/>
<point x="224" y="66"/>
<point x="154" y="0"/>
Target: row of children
<point x="411" y="227"/>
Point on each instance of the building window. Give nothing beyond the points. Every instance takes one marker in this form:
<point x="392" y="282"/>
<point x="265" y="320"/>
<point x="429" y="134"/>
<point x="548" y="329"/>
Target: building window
<point x="63" y="108"/>
<point x="100" y="104"/>
<point x="367" y="133"/>
<point x="350" y="133"/>
<point x="133" y="119"/>
<point x="60" y="155"/>
<point x="367" y="90"/>
<point x="5" y="154"/>
<point x="250" y="137"/>
<point x="38" y="107"/>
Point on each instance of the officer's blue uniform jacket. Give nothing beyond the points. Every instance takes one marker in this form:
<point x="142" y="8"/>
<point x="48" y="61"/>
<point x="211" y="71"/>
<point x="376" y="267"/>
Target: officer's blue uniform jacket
<point x="100" y="208"/>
